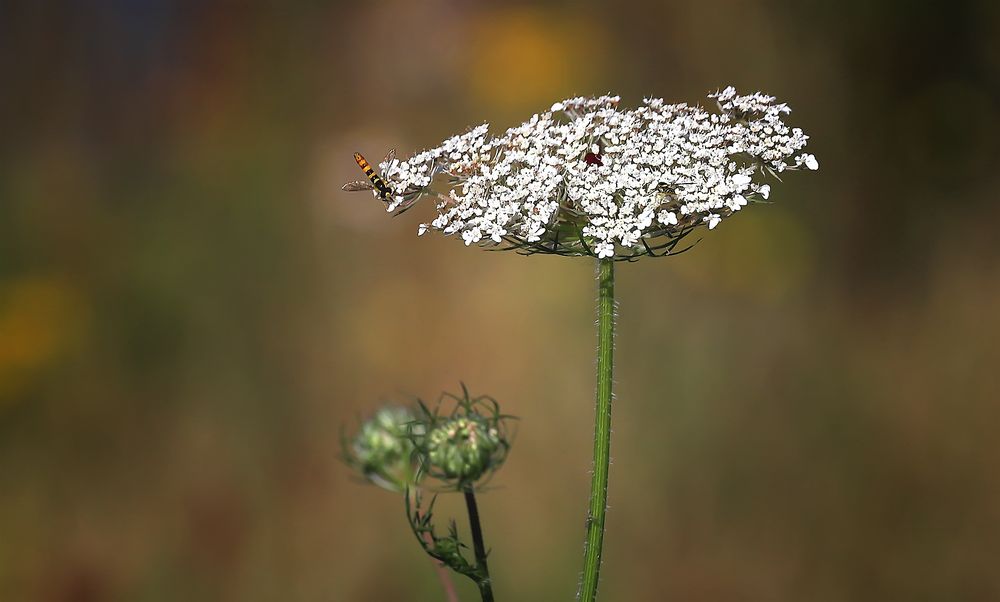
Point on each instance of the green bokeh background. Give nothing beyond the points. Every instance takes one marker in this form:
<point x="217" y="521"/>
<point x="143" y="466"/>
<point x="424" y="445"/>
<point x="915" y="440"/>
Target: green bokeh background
<point x="190" y="308"/>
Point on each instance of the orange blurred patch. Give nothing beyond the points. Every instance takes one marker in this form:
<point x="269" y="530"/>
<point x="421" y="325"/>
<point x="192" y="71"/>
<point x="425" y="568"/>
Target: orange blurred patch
<point x="524" y="58"/>
<point x="38" y="318"/>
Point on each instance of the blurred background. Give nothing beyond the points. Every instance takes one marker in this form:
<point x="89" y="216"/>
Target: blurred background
<point x="191" y="309"/>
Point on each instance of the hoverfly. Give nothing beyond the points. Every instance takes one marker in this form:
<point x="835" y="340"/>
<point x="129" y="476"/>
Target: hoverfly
<point x="379" y="186"/>
<point x="375" y="182"/>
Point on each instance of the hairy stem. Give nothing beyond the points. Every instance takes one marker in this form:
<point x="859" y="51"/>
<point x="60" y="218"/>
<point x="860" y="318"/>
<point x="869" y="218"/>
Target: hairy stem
<point x="484" y="582"/>
<point x="602" y="431"/>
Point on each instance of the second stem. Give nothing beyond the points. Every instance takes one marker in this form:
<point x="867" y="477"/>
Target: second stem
<point x="484" y="582"/>
<point x="602" y="430"/>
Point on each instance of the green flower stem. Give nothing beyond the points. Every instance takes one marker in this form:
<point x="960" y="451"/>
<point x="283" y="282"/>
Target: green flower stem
<point x="484" y="582"/>
<point x="602" y="431"/>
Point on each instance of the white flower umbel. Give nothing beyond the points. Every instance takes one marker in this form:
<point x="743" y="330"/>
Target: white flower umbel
<point x="588" y="178"/>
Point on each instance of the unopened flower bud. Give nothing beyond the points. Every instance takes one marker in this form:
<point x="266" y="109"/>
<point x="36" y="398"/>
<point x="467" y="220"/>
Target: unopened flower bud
<point x="465" y="448"/>
<point x="383" y="450"/>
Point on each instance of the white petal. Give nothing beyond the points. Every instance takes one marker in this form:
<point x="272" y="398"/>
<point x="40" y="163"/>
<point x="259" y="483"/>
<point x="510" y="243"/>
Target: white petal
<point x="740" y="181"/>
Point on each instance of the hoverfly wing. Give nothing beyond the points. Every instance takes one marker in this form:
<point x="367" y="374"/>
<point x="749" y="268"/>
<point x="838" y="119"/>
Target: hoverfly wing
<point x="356" y="186"/>
<point x="389" y="157"/>
<point x="406" y="206"/>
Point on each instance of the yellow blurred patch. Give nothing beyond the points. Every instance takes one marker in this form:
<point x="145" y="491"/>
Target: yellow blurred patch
<point x="525" y="58"/>
<point x="38" y="318"/>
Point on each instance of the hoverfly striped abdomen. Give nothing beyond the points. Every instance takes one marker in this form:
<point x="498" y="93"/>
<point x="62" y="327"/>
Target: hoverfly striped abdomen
<point x="376" y="181"/>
